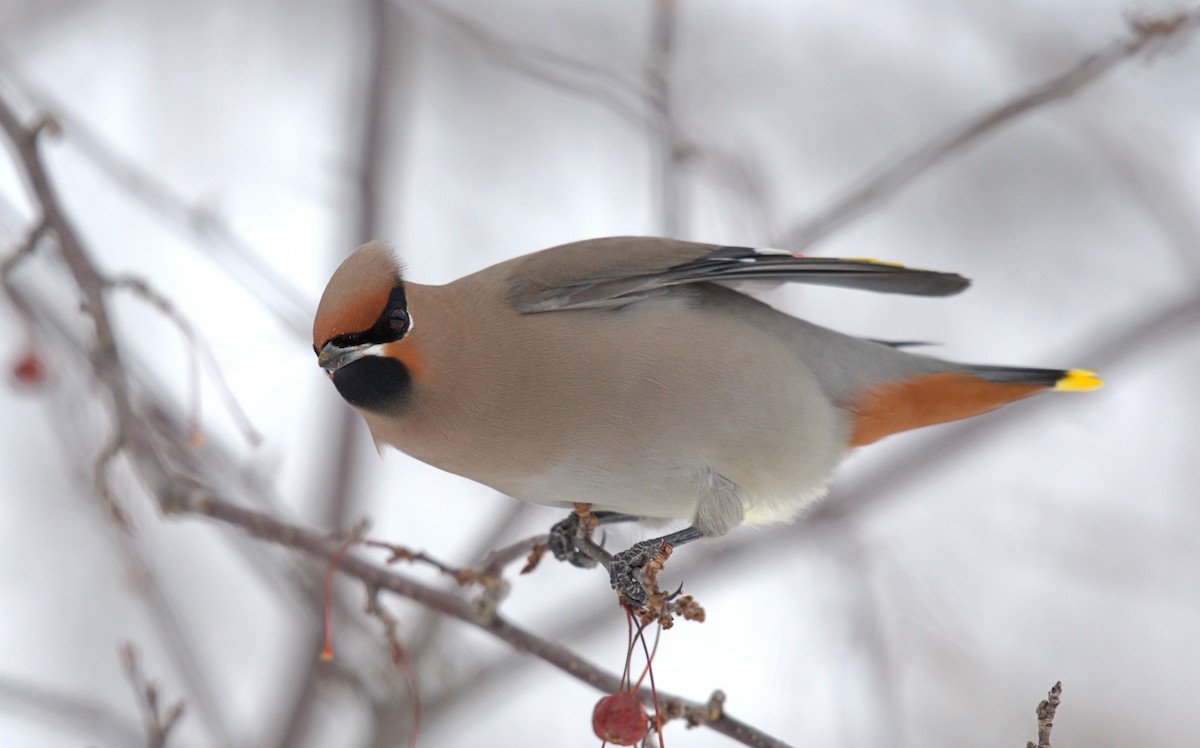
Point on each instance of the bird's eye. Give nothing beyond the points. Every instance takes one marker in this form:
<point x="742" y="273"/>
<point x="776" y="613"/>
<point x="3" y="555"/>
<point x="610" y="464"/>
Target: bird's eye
<point x="398" y="320"/>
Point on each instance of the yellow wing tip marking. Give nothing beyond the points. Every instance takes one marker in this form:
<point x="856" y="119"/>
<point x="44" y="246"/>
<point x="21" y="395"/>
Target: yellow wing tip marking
<point x="1079" y="380"/>
<point x="875" y="261"/>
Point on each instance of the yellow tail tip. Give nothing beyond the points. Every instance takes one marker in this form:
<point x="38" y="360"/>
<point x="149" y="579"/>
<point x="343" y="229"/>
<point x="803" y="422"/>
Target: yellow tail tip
<point x="1078" y="380"/>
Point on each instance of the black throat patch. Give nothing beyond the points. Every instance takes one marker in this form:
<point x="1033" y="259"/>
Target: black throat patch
<point x="376" y="383"/>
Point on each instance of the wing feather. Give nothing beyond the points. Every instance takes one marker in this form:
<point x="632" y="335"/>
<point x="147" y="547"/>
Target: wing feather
<point x="729" y="265"/>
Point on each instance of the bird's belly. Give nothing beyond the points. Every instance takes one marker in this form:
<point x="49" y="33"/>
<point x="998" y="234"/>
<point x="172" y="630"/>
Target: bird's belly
<point x="673" y="492"/>
<point x="643" y="490"/>
<point x="780" y="460"/>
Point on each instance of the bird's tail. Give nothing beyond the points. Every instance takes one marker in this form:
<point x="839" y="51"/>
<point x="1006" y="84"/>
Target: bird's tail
<point x="926" y="399"/>
<point x="1069" y="380"/>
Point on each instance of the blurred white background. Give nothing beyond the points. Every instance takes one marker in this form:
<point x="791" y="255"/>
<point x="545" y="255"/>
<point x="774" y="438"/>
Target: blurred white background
<point x="216" y="149"/>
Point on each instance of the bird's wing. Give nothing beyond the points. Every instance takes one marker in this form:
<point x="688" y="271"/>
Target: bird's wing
<point x="613" y="272"/>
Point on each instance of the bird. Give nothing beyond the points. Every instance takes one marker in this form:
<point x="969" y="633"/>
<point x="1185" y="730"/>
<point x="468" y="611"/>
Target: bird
<point x="635" y="375"/>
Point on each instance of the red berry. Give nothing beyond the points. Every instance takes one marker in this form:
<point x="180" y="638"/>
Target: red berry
<point x="29" y="369"/>
<point x="620" y="719"/>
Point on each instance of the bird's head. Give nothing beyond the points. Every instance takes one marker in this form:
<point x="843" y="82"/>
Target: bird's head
<point x="362" y="331"/>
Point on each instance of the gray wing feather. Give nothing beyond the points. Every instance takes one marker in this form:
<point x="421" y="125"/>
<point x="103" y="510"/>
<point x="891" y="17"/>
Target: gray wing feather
<point x="733" y="264"/>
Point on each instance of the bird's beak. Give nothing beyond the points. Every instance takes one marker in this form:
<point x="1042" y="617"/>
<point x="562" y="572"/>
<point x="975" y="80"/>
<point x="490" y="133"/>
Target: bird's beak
<point x="331" y="358"/>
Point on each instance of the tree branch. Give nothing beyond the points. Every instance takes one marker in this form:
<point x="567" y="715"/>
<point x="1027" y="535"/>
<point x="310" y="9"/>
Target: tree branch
<point x="1045" y="717"/>
<point x="157" y="723"/>
<point x="233" y="253"/>
<point x="664" y="135"/>
<point x="94" y="719"/>
<point x="605" y="87"/>
<point x="266" y="527"/>
<point x="1147" y="33"/>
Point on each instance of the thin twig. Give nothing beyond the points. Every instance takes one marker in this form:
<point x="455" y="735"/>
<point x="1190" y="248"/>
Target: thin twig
<point x="1045" y="717"/>
<point x="664" y="134"/>
<point x="202" y="353"/>
<point x="24" y="248"/>
<point x="106" y="358"/>
<point x="1157" y="189"/>
<point x="103" y="487"/>
<point x="171" y="627"/>
<point x="400" y="658"/>
<point x="233" y="253"/>
<point x="429" y="626"/>
<point x="605" y="87"/>
<point x="494" y="562"/>
<point x="156" y="720"/>
<point x="1147" y="33"/>
<point x="97" y="721"/>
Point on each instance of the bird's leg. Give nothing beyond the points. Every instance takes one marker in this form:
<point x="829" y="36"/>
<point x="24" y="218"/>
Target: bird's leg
<point x="580" y="524"/>
<point x="625" y="572"/>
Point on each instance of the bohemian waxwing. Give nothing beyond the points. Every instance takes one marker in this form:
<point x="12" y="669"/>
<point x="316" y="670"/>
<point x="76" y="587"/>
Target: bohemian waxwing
<point x="627" y="374"/>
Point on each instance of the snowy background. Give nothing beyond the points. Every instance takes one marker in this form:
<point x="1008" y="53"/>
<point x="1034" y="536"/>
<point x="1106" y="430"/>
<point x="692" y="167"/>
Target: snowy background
<point x="217" y="149"/>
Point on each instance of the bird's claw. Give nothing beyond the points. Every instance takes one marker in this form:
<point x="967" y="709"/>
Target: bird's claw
<point x="562" y="543"/>
<point x="625" y="573"/>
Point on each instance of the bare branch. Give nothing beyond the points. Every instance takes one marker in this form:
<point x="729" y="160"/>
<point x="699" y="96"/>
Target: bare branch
<point x="1045" y="717"/>
<point x="156" y="722"/>
<point x="103" y="487"/>
<point x="229" y="250"/>
<point x="1148" y="34"/>
<point x="428" y="626"/>
<point x="106" y="358"/>
<point x="605" y="87"/>
<point x="202" y="354"/>
<point x="25" y="248"/>
<point x="96" y="720"/>
<point x="399" y="658"/>
<point x="664" y="135"/>
<point x="495" y="561"/>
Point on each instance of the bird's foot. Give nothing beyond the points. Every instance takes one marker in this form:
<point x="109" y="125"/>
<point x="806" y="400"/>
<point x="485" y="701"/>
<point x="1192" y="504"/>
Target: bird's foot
<point x="628" y="572"/>
<point x="563" y="536"/>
